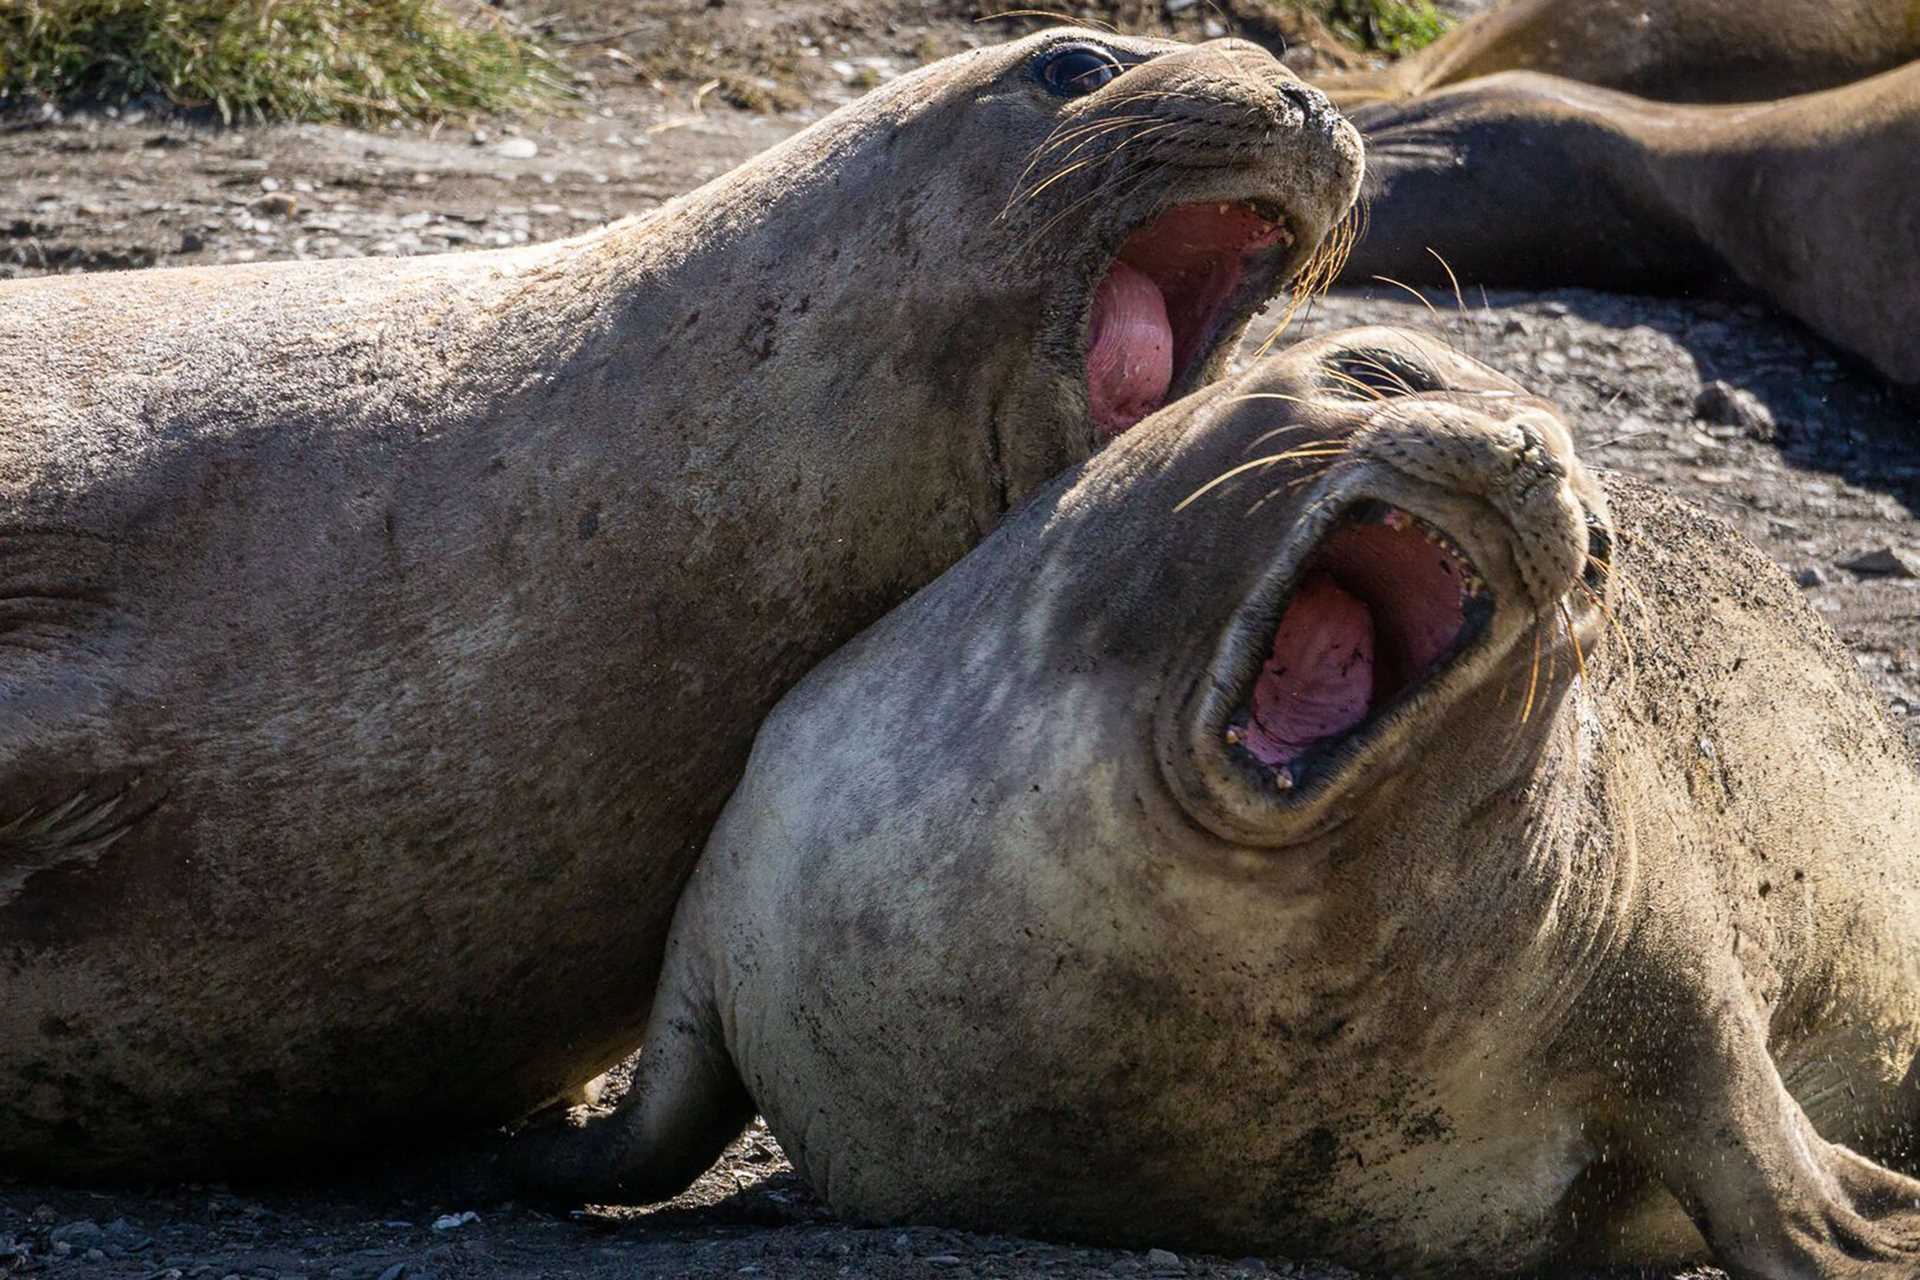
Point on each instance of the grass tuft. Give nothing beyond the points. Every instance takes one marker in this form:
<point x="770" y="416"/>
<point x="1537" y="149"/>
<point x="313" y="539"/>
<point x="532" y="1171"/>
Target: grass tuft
<point x="1384" y="26"/>
<point x="354" y="61"/>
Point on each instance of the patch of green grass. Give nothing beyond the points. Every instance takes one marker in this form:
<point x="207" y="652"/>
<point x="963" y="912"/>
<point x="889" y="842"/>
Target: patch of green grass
<point x="1386" y="26"/>
<point x="356" y="61"/>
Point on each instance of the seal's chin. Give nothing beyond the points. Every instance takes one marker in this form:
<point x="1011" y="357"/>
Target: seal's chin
<point x="1165" y="303"/>
<point x="1382" y="605"/>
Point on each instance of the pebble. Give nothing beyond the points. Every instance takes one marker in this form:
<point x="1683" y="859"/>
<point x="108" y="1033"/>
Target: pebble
<point x="1886" y="562"/>
<point x="1810" y="577"/>
<point x="454" y="1221"/>
<point x="517" y="149"/>
<point x="1164" y="1260"/>
<point x="81" y="1234"/>
<point x="1732" y="406"/>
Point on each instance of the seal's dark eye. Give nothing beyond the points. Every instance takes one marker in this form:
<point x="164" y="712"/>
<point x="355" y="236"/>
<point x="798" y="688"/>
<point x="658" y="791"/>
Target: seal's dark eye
<point x="1077" y="70"/>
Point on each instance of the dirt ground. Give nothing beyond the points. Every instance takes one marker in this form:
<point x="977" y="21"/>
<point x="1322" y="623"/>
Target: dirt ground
<point x="1739" y="410"/>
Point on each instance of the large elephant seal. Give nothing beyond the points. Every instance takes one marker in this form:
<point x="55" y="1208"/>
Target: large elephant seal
<point x="379" y="640"/>
<point x="1528" y="180"/>
<point x="1410" y="851"/>
<point x="1673" y="50"/>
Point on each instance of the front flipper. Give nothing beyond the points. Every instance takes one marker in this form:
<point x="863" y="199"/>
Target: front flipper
<point x="685" y="1105"/>
<point x="1774" y="1199"/>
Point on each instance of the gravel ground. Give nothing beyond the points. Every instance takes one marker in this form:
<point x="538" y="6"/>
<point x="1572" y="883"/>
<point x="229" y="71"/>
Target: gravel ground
<point x="1741" y="411"/>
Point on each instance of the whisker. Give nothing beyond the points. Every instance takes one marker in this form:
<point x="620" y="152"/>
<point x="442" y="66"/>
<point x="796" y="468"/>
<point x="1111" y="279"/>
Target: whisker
<point x="1420" y="297"/>
<point x="1579" y="658"/>
<point x="1533" y="674"/>
<point x="1459" y="301"/>
<point x="1065" y="19"/>
<point x="1256" y="464"/>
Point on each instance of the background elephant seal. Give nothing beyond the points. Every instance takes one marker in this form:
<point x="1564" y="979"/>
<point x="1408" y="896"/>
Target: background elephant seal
<point x="1674" y="50"/>
<point x="1527" y="180"/>
<point x="1411" y="852"/>
<point x="379" y="640"/>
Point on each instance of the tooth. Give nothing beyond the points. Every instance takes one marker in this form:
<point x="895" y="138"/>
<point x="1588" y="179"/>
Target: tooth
<point x="1233" y="737"/>
<point x="1283" y="779"/>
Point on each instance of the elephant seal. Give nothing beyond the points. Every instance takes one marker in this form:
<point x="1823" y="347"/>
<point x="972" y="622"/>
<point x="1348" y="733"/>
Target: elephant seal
<point x="1527" y="180"/>
<point x="1673" y="50"/>
<point x="379" y="640"/>
<point x="1329" y="822"/>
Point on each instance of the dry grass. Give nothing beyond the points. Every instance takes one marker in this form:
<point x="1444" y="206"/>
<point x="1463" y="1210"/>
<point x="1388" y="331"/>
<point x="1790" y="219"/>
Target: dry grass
<point x="358" y="61"/>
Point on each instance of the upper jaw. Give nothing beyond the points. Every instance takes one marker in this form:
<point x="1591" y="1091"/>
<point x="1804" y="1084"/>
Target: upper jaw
<point x="1261" y="777"/>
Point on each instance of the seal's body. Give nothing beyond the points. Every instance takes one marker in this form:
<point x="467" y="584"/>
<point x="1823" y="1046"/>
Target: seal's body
<point x="1532" y="181"/>
<point x="1409" y="852"/>
<point x="1672" y="50"/>
<point x="379" y="640"/>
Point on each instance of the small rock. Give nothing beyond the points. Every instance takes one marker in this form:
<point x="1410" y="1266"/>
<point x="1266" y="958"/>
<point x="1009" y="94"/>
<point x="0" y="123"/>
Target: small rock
<point x="1810" y="577"/>
<point x="1886" y="562"/>
<point x="394" y="1272"/>
<point x="95" y="1256"/>
<point x="941" y="1260"/>
<point x="1733" y="406"/>
<point x="82" y="1234"/>
<point x="1164" y="1260"/>
<point x="454" y="1221"/>
<point x="276" y="204"/>
<point x="1180" y="6"/>
<point x="517" y="149"/>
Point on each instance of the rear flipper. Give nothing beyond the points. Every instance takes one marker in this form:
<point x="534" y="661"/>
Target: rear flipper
<point x="1774" y="1199"/>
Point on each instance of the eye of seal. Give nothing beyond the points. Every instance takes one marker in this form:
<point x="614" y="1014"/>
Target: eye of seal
<point x="1075" y="70"/>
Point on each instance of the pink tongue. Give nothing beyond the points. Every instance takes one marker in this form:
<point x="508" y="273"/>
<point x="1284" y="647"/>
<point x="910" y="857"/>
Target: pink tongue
<point x="1318" y="681"/>
<point x="1129" y="350"/>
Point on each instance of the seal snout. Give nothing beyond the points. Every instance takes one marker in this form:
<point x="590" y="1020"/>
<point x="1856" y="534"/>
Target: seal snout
<point x="1449" y="527"/>
<point x="1523" y="467"/>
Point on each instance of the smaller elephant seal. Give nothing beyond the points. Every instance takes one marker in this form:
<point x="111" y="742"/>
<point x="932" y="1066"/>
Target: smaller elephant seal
<point x="1672" y="50"/>
<point x="1331" y="822"/>
<point x="1531" y="181"/>
<point x="379" y="640"/>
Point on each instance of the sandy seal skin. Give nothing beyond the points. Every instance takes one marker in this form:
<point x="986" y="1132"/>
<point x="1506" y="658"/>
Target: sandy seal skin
<point x="1603" y="942"/>
<point x="1672" y="50"/>
<point x="1528" y="180"/>
<point x="379" y="640"/>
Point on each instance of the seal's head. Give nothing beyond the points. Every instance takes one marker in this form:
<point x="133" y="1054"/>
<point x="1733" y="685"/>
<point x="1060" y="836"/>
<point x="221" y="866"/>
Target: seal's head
<point x="1061" y="233"/>
<point x="1440" y="541"/>
<point x="1174" y="885"/>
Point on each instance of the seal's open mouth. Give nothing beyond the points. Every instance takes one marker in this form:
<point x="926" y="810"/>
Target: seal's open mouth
<point x="1382" y="605"/>
<point x="1165" y="302"/>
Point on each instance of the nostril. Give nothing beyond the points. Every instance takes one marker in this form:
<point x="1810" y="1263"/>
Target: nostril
<point x="1307" y="98"/>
